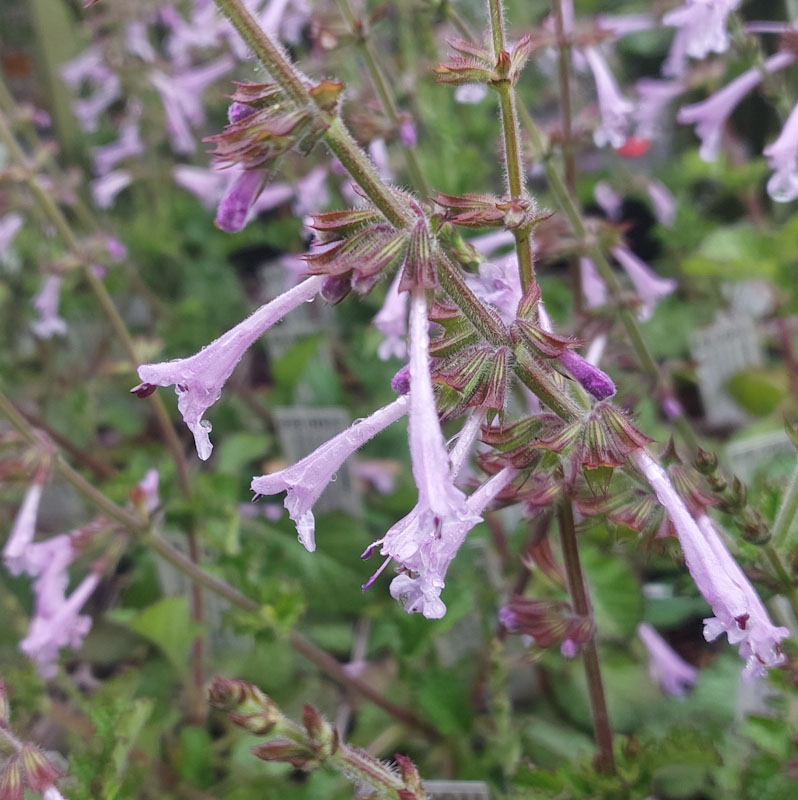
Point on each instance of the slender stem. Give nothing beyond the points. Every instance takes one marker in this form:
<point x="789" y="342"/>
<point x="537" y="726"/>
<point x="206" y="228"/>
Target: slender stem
<point x="786" y="515"/>
<point x="10" y="739"/>
<point x="387" y="99"/>
<point x="513" y="156"/>
<point x="576" y="584"/>
<point x="456" y="19"/>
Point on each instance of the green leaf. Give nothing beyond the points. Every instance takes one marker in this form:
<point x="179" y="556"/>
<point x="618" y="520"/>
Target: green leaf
<point x="615" y="592"/>
<point x="168" y="626"/>
<point x="445" y="701"/>
<point x="757" y="391"/>
<point x="196" y="756"/>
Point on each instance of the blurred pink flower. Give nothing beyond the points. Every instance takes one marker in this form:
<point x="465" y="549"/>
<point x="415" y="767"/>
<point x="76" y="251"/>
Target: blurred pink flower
<point x="24" y="527"/>
<point x="105" y="189"/>
<point x="137" y="41"/>
<point x="609" y="200"/>
<point x="710" y="115"/>
<point x="665" y="666"/>
<point x="653" y="97"/>
<point x="782" y="156"/>
<point x="10" y="226"/>
<point x="199" y="379"/>
<point x="663" y="201"/>
<point x="46" y="302"/>
<point x="129" y="144"/>
<point x="594" y="290"/>
<point x="649" y="286"/>
<point x="391" y="322"/>
<point x="702" y="25"/>
<point x="471" y="93"/>
<point x="614" y="108"/>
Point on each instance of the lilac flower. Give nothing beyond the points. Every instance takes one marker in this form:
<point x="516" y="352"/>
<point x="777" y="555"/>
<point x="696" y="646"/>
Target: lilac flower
<point x="593" y="380"/>
<point x="48" y="324"/>
<point x="623" y="24"/>
<point x="614" y="108"/>
<point x="653" y="97"/>
<point x="148" y="486"/>
<point x="488" y="242"/>
<point x="391" y="322"/>
<point x="672" y="408"/>
<point x="378" y="151"/>
<point x="594" y="290"/>
<point x="783" y="158"/>
<point x="52" y="793"/>
<point x="10" y="225"/>
<point x="116" y="250"/>
<point x="499" y="285"/>
<point x="23" y="529"/>
<point x="702" y="24"/>
<point x="128" y="144"/>
<point x="305" y="481"/>
<point x="648" y="285"/>
<point x="710" y="115"/>
<point x="105" y="189"/>
<point x="609" y="200"/>
<point x="311" y="192"/>
<point x="207" y="185"/>
<point x="89" y="65"/>
<point x="380" y="474"/>
<point x="666" y="667"/>
<point x="407" y="133"/>
<point x="137" y="41"/>
<point x="198" y="380"/>
<point x="427" y="552"/>
<point x="66" y="627"/>
<point x="739" y="612"/>
<point x="663" y="201"/>
<point x="235" y="206"/>
<point x="471" y="93"/>
<point x="89" y="109"/>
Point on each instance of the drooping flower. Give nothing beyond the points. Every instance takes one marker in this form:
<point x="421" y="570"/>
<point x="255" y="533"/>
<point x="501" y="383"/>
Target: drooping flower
<point x="648" y="285"/>
<point x="739" y="613"/>
<point x="198" y="379"/>
<point x="594" y="290"/>
<point x="305" y="481"/>
<point x="105" y="189"/>
<point x="653" y="98"/>
<point x="783" y="158"/>
<point x="381" y="474"/>
<point x="593" y="380"/>
<point x="137" y="41"/>
<point x="499" y="285"/>
<point x="702" y="25"/>
<point x="46" y="302"/>
<point x="614" y="108"/>
<point x="235" y="205"/>
<point x="128" y="144"/>
<point x="24" y="528"/>
<point x="10" y="225"/>
<point x="391" y="321"/>
<point x="663" y="201"/>
<point x="609" y="200"/>
<point x="665" y="666"/>
<point x="710" y="115"/>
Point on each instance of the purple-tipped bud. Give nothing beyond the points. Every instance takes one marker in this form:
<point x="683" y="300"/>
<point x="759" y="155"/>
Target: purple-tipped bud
<point x="234" y="207"/>
<point x="407" y="133"/>
<point x="238" y="111"/>
<point x="400" y="382"/>
<point x="593" y="380"/>
<point x="336" y="288"/>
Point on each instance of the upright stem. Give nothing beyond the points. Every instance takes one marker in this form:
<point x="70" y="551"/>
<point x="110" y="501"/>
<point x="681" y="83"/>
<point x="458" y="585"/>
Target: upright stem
<point x="513" y="156"/>
<point x="384" y="92"/>
<point x="787" y="511"/>
<point x="576" y="584"/>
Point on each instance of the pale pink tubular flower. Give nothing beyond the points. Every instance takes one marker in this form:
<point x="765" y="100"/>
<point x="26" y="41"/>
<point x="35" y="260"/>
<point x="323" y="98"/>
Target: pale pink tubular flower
<point x="702" y="24"/>
<point x="783" y="158"/>
<point x="88" y="110"/>
<point x="594" y="290"/>
<point x="653" y="98"/>
<point x="64" y="628"/>
<point x="88" y="65"/>
<point x="46" y="302"/>
<point x="663" y="201"/>
<point x="23" y="529"/>
<point x="470" y="93"/>
<point x="52" y="793"/>
<point x="665" y="666"/>
<point x="105" y="189"/>
<point x="391" y="322"/>
<point x="739" y="613"/>
<point x="10" y="226"/>
<point x="207" y="185"/>
<point x="198" y="379"/>
<point x="137" y="41"/>
<point x="649" y="286"/>
<point x="609" y="200"/>
<point x="380" y="474"/>
<point x="435" y="550"/>
<point x="623" y="24"/>
<point x="499" y="285"/>
<point x="614" y="108"/>
<point x="128" y="144"/>
<point x="305" y="481"/>
<point x="236" y="204"/>
<point x="710" y="115"/>
<point x="486" y="243"/>
<point x="148" y="486"/>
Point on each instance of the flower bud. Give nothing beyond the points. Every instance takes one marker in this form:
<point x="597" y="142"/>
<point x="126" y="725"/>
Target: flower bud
<point x="39" y="772"/>
<point x="335" y="288"/>
<point x="11" y="786"/>
<point x="400" y="382"/>
<point x="286" y="751"/>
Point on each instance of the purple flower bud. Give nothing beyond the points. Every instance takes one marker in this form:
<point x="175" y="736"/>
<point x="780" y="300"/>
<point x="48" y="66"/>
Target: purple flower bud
<point x="238" y="111"/>
<point x="234" y="207"/>
<point x="666" y="667"/>
<point x="782" y="156"/>
<point x="335" y="288"/>
<point x="198" y="380"/>
<point x="307" y="479"/>
<point x="593" y="380"/>
<point x="400" y="382"/>
<point x="407" y="133"/>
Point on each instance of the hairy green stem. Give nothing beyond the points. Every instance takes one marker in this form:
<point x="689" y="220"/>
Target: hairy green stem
<point x="387" y="99"/>
<point x="581" y="603"/>
<point x="786" y="514"/>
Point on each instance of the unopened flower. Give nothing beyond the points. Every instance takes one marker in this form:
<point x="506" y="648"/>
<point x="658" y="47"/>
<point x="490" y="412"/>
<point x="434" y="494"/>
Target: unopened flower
<point x="128" y="144"/>
<point x="391" y="321"/>
<point x="739" y="613"/>
<point x="593" y="380"/>
<point x="783" y="158"/>
<point x="665" y="666"/>
<point x="548" y="622"/>
<point x="305" y="481"/>
<point x="710" y="115"/>
<point x="702" y="25"/>
<point x="198" y="379"/>
<point x="49" y="323"/>
<point x="614" y="108"/>
<point x="24" y="528"/>
<point x="649" y="286"/>
<point x="105" y="189"/>
<point x="235" y="205"/>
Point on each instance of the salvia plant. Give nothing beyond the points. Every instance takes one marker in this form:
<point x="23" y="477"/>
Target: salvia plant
<point x="569" y="537"/>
